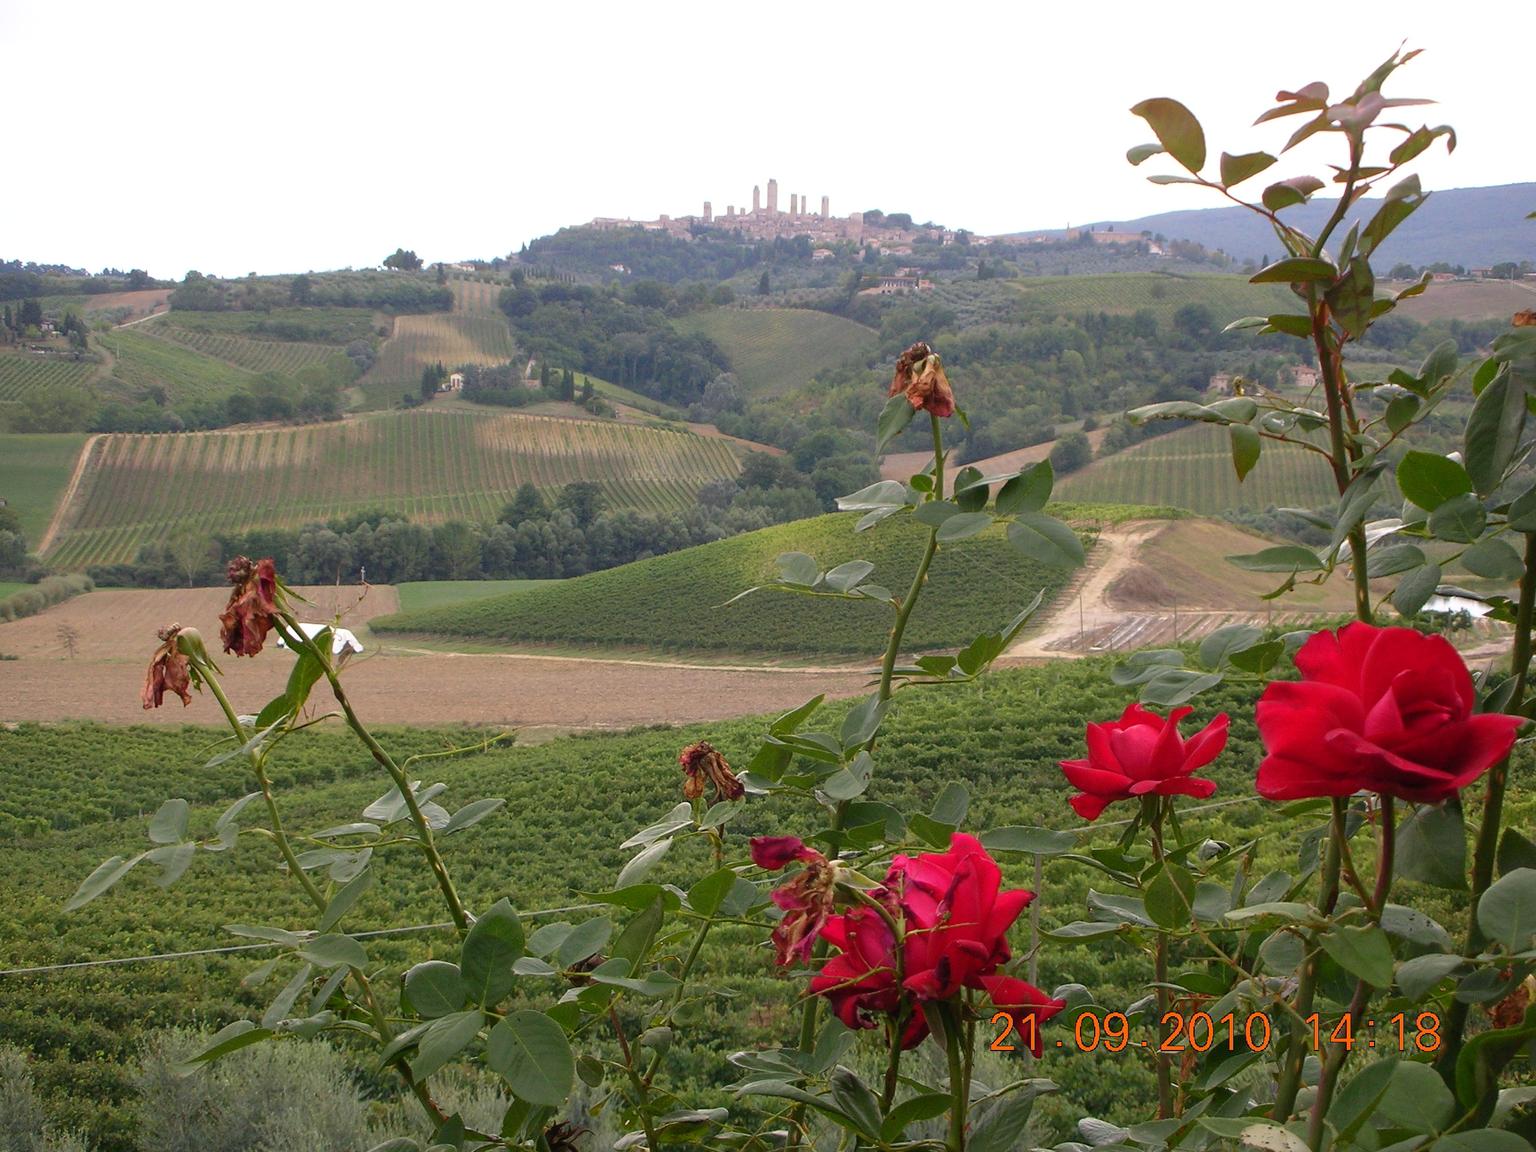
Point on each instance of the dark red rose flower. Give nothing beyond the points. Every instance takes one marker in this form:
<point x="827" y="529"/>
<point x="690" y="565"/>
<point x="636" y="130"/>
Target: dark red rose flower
<point x="920" y="374"/>
<point x="1022" y="1001"/>
<point x="860" y="981"/>
<point x="955" y="917"/>
<point x="1143" y="754"/>
<point x="774" y="852"/>
<point x="700" y="763"/>
<point x="252" y="608"/>
<point x="1384" y="710"/>
<point x="169" y="670"/>
<point x="807" y="898"/>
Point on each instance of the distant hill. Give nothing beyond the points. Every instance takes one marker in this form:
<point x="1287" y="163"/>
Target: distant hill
<point x="1476" y="227"/>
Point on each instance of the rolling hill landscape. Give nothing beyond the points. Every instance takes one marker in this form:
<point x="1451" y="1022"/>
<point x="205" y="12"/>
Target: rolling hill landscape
<point x="551" y="496"/>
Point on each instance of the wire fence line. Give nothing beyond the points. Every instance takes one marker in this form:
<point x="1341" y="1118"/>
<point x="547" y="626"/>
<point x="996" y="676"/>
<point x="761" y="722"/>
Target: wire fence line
<point x="118" y="961"/>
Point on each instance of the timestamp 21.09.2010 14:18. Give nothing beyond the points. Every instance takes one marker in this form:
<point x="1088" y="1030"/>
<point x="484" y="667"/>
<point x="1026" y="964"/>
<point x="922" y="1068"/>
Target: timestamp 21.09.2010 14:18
<point x="1200" y="1032"/>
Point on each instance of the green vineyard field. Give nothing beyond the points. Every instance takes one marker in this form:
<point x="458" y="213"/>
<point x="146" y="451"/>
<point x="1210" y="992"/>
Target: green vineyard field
<point x="285" y="357"/>
<point x="773" y="350"/>
<point x="1192" y="469"/>
<point x="431" y="466"/>
<point x="476" y="296"/>
<point x="34" y="470"/>
<point x="23" y="372"/>
<point x="679" y="601"/>
<point x="144" y="361"/>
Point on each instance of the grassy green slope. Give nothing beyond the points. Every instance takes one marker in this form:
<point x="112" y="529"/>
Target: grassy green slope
<point x="679" y="601"/>
<point x="775" y="349"/>
<point x="34" y="470"/>
<point x="83" y="793"/>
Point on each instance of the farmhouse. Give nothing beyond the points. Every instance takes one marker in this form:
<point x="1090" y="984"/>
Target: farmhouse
<point x="454" y="383"/>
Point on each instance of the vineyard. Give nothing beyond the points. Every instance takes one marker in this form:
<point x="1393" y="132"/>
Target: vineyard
<point x="476" y="296"/>
<point x="452" y="339"/>
<point x="773" y="350"/>
<point x="1192" y="469"/>
<point x="1228" y="297"/>
<point x="678" y="601"/>
<point x="144" y="361"/>
<point x="34" y="471"/>
<point x="430" y="466"/>
<point x="22" y="372"/>
<point x="286" y="357"/>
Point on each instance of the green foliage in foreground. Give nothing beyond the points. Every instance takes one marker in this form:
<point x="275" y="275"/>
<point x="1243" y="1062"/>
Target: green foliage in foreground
<point x="679" y="601"/>
<point x="570" y="803"/>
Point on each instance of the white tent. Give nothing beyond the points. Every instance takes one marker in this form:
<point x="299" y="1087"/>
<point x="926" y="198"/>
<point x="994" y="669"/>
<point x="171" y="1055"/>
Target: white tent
<point x="343" y="643"/>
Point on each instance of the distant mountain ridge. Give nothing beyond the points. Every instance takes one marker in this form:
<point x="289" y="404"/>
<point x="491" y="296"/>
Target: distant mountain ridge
<point x="1475" y="227"/>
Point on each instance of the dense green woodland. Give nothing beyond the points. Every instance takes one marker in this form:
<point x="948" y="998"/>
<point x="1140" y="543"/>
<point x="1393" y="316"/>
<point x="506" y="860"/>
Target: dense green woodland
<point x="79" y="793"/>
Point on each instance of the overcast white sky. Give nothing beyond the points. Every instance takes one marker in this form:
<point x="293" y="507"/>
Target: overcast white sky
<point x="233" y="136"/>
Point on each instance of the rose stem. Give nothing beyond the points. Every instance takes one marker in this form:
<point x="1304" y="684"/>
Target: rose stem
<point x="887" y="669"/>
<point x="1296" y="1041"/>
<point x="1329" y="1076"/>
<point x="1153" y="807"/>
<point x="1486" y="850"/>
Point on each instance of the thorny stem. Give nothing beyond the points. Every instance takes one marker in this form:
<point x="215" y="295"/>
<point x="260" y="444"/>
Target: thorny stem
<point x="677" y="997"/>
<point x="297" y="640"/>
<point x="1485" y="851"/>
<point x="957" y="1090"/>
<point x="316" y="897"/>
<point x="1329" y="1076"/>
<point x="642" y="1092"/>
<point x="1296" y="1042"/>
<point x="811" y="1009"/>
<point x="1153" y="808"/>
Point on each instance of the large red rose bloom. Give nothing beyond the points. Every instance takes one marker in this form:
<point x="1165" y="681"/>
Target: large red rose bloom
<point x="1142" y="754"/>
<point x="1384" y="710"/>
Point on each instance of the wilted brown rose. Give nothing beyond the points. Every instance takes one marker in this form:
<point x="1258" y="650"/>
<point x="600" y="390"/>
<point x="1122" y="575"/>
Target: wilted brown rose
<point x="249" y="615"/>
<point x="1510" y="1011"/>
<point x="1526" y="319"/>
<point x="169" y="669"/>
<point x="700" y="762"/>
<point x="920" y="374"/>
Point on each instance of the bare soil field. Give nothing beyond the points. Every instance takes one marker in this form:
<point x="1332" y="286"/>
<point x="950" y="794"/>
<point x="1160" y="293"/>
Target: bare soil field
<point x="115" y="630"/>
<point x="1468" y="300"/>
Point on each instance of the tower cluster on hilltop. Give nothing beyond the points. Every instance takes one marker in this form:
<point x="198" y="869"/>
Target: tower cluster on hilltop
<point x="762" y="222"/>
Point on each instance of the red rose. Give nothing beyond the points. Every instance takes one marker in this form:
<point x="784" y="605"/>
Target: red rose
<point x="1143" y="754"/>
<point x="956" y="917"/>
<point x="1379" y="710"/>
<point x="860" y="981"/>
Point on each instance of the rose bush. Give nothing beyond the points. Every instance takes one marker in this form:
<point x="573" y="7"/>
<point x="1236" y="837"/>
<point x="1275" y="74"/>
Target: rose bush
<point x="1384" y="710"/>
